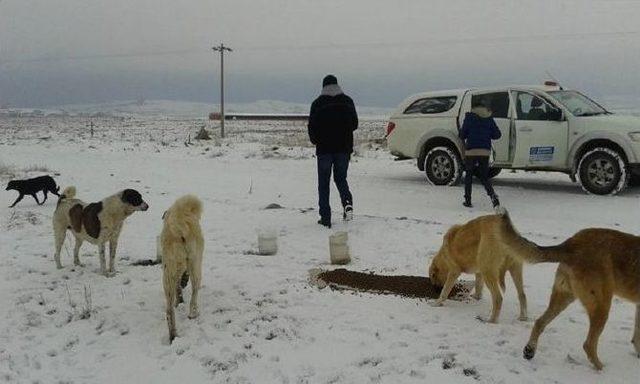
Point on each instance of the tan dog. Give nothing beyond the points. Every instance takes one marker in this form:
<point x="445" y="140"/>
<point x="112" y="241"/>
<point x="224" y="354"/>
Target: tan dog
<point x="97" y="223"/>
<point x="474" y="247"/>
<point x="182" y="248"/>
<point x="595" y="265"/>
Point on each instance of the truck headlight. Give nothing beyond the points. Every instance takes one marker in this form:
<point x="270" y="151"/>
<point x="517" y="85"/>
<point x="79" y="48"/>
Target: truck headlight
<point x="635" y="136"/>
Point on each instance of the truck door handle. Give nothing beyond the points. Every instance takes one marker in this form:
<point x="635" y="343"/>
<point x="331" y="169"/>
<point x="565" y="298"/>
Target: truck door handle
<point x="525" y="129"/>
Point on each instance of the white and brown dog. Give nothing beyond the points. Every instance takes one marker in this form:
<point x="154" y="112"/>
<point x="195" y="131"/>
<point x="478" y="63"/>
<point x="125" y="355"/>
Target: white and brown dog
<point x="182" y="248"/>
<point x="97" y="223"/>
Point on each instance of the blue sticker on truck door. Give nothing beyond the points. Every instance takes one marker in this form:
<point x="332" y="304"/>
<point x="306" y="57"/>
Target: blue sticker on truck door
<point x="541" y="154"/>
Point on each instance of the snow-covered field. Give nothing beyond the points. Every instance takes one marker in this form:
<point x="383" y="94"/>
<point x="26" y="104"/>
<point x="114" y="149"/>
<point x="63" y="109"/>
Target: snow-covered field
<point x="260" y="321"/>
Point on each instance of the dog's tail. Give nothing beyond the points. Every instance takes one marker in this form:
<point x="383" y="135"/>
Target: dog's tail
<point x="524" y="249"/>
<point x="184" y="215"/>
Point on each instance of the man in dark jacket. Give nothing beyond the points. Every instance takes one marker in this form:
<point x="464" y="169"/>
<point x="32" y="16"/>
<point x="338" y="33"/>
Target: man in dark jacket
<point x="477" y="131"/>
<point x="332" y="120"/>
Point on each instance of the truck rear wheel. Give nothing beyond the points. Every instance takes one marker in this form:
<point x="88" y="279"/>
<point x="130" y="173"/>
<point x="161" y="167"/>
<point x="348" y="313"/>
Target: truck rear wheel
<point x="442" y="166"/>
<point x="602" y="171"/>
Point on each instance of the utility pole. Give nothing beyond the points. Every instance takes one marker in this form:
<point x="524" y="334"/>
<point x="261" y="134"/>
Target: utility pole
<point x="221" y="48"/>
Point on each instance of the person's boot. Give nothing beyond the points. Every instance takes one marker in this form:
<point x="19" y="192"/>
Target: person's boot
<point x="467" y="202"/>
<point x="495" y="201"/>
<point x="347" y="215"/>
<point x="326" y="223"/>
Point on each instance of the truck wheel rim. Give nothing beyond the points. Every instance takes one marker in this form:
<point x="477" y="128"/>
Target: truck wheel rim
<point x="601" y="172"/>
<point x="441" y="167"/>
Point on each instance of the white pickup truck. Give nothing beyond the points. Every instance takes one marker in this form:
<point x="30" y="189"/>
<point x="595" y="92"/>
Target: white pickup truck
<point x="544" y="128"/>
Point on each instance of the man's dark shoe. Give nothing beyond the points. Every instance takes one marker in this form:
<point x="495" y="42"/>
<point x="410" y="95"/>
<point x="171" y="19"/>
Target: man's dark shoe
<point x="495" y="201"/>
<point x="326" y="223"/>
<point x="347" y="215"/>
<point x="467" y="202"/>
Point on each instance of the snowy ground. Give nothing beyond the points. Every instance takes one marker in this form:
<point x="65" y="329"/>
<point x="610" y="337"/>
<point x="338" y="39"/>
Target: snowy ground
<point x="260" y="320"/>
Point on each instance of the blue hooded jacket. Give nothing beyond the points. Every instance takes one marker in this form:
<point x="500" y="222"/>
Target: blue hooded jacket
<point x="477" y="132"/>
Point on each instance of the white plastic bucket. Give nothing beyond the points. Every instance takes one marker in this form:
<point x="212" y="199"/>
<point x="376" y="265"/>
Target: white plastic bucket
<point x="339" y="248"/>
<point x="267" y="242"/>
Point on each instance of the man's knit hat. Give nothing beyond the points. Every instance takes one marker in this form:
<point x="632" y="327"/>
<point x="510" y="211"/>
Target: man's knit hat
<point x="328" y="80"/>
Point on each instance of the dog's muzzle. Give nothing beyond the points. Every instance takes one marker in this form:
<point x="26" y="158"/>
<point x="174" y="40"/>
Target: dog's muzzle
<point x="144" y="206"/>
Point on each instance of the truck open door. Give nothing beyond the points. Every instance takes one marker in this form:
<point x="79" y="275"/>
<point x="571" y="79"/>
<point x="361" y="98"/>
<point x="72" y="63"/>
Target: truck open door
<point x="499" y="103"/>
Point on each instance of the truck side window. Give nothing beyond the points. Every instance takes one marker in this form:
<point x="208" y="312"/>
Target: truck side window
<point x="431" y="105"/>
<point x="531" y="107"/>
<point x="498" y="102"/>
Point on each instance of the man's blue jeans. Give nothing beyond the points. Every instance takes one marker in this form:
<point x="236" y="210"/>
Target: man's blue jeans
<point x="339" y="163"/>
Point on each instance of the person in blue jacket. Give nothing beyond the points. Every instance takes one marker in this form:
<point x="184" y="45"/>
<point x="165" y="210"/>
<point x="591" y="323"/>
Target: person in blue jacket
<point x="478" y="129"/>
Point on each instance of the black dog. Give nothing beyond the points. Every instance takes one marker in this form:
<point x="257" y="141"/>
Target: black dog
<point x="32" y="187"/>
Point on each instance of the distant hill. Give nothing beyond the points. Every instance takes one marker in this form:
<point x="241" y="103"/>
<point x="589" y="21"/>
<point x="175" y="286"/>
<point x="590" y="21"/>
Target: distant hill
<point x="177" y="109"/>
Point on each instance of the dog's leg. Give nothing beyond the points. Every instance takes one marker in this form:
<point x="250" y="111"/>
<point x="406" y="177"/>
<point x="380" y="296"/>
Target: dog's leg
<point x="17" y="201"/>
<point x="195" y="276"/>
<point x="113" y="246"/>
<point x="179" y="298"/>
<point x="55" y="191"/>
<point x="103" y="263"/>
<point x="45" y="196"/>
<point x="561" y="297"/>
<point x="516" y="275"/>
<point x="636" y="332"/>
<point x="184" y="280"/>
<point x="35" y="196"/>
<point x="170" y="297"/>
<point x="477" y="293"/>
<point x="76" y="252"/>
<point x="493" y="285"/>
<point x="597" y="301"/>
<point x="59" y="233"/>
<point x="452" y="277"/>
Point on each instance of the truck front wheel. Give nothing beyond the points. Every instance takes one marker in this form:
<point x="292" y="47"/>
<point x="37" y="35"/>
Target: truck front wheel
<point x="602" y="171"/>
<point x="442" y="166"/>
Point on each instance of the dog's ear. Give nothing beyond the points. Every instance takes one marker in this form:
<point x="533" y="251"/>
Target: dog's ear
<point x="164" y="215"/>
<point x="131" y="197"/>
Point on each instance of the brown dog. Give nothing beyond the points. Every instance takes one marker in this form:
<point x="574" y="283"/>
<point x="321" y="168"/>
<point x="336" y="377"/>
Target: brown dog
<point x="97" y="223"/>
<point x="182" y="248"/>
<point x="474" y="247"/>
<point x="595" y="265"/>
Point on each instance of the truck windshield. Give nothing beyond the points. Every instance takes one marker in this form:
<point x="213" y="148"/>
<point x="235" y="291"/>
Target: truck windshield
<point x="578" y="104"/>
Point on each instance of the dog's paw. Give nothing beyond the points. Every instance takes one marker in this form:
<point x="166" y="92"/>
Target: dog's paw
<point x="194" y="314"/>
<point x="523" y="318"/>
<point x="528" y="352"/>
<point x="477" y="296"/>
<point x="437" y="303"/>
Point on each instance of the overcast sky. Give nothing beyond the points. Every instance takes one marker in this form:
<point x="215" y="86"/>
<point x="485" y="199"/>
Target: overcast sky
<point x="75" y="51"/>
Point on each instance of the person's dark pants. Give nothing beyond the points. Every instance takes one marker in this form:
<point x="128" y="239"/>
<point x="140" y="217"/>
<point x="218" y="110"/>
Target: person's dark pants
<point x="339" y="163"/>
<point x="478" y="165"/>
